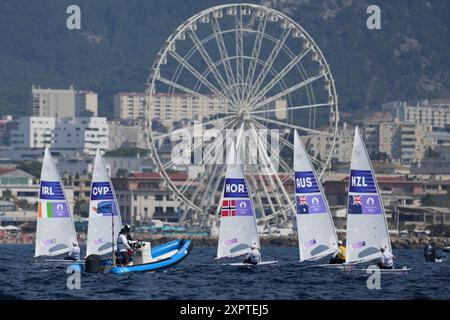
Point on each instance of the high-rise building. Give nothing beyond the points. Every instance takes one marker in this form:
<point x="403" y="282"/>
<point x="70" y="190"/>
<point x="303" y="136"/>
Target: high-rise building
<point x="86" y="104"/>
<point x="32" y="132"/>
<point x="432" y="112"/>
<point x="130" y="105"/>
<point x="319" y="145"/>
<point x="63" y="103"/>
<point x="400" y="141"/>
<point x="84" y="133"/>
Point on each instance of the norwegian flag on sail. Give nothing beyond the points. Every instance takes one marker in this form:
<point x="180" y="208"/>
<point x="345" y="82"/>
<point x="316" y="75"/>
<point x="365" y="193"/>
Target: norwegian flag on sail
<point x="228" y="208"/>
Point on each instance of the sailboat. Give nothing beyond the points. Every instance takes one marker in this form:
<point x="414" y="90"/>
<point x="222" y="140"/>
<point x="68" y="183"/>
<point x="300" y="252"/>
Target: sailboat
<point x="316" y="233"/>
<point x="367" y="228"/>
<point x="55" y="229"/>
<point x="104" y="226"/>
<point x="237" y="231"/>
<point x="104" y="216"/>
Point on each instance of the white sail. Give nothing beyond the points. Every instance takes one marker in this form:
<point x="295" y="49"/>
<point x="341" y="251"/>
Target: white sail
<point x="367" y="229"/>
<point x="316" y="233"/>
<point x="103" y="211"/>
<point x="55" y="229"/>
<point x="237" y="231"/>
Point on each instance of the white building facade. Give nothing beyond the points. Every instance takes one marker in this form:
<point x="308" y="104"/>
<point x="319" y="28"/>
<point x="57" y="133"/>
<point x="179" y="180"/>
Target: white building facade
<point x="63" y="103"/>
<point x="33" y="132"/>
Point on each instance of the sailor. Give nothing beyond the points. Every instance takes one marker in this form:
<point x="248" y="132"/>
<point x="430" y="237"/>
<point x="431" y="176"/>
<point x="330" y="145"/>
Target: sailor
<point x="126" y="228"/>
<point x="386" y="259"/>
<point x="339" y="256"/>
<point x="124" y="245"/>
<point x="254" y="256"/>
<point x="430" y="252"/>
<point x="74" y="253"/>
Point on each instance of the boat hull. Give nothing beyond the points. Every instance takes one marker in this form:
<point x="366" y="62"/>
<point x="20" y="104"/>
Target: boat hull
<point x="182" y="247"/>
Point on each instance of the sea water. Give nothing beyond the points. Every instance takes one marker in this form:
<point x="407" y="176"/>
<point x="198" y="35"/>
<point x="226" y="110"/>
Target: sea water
<point x="199" y="276"/>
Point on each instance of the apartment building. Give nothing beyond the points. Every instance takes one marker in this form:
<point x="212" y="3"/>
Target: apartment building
<point x="63" y="103"/>
<point x="432" y="112"/>
<point x="144" y="196"/>
<point x="400" y="141"/>
<point x="86" y="134"/>
<point x="33" y="132"/>
<point x="82" y="134"/>
<point x="319" y="145"/>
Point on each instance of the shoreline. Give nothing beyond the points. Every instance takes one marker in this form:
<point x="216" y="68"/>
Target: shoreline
<point x="209" y="241"/>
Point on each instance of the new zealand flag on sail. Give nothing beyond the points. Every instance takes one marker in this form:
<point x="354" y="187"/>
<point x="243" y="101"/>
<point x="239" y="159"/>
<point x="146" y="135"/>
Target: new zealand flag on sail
<point x="305" y="182"/>
<point x="354" y="204"/>
<point x="361" y="181"/>
<point x="358" y="204"/>
<point x="51" y="190"/>
<point x="235" y="188"/>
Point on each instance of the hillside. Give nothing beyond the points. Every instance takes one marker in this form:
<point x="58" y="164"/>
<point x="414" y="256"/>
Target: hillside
<point x="406" y="59"/>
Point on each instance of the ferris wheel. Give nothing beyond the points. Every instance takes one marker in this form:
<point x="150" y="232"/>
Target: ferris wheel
<point x="245" y="67"/>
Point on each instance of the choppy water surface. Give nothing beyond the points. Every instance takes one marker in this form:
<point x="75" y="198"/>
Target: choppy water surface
<point x="200" y="277"/>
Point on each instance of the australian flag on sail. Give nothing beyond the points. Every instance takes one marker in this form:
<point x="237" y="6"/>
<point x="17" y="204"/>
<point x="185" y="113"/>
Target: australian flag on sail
<point x="235" y="188"/>
<point x="361" y="181"/>
<point x="302" y="205"/>
<point x="51" y="190"/>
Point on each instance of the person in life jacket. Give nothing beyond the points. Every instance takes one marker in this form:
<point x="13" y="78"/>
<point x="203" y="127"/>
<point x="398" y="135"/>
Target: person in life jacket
<point x="386" y="259"/>
<point x="339" y="256"/>
<point x="74" y="253"/>
<point x="430" y="252"/>
<point x="124" y="243"/>
<point x="254" y="256"/>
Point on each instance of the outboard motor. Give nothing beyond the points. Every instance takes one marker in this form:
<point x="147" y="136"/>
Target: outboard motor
<point x="93" y="264"/>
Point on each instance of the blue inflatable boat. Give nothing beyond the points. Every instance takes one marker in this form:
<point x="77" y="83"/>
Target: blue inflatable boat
<point x="157" y="258"/>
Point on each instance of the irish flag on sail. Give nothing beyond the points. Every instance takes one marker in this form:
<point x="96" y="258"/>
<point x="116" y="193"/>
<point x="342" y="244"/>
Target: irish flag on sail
<point x="55" y="230"/>
<point x="367" y="229"/>
<point x="237" y="231"/>
<point x="103" y="211"/>
<point x="316" y="234"/>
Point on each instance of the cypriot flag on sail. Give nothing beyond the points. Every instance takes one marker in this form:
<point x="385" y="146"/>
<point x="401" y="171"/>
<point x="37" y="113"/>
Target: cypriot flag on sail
<point x="103" y="211"/>
<point x="367" y="228"/>
<point x="55" y="230"/>
<point x="237" y="231"/>
<point x="316" y="234"/>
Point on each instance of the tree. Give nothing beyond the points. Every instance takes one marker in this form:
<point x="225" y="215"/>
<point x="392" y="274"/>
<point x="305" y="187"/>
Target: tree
<point x="7" y="195"/>
<point x="427" y="200"/>
<point x="380" y="156"/>
<point x="31" y="167"/>
<point x="22" y="203"/>
<point x="126" y="152"/>
<point x="430" y="153"/>
<point x="122" y="173"/>
<point x="81" y="208"/>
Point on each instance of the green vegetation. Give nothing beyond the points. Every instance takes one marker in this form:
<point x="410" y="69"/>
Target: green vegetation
<point x="81" y="208"/>
<point x="118" y="41"/>
<point x="31" y="167"/>
<point x="427" y="200"/>
<point x="430" y="153"/>
<point x="6" y="195"/>
<point x="382" y="156"/>
<point x="440" y="230"/>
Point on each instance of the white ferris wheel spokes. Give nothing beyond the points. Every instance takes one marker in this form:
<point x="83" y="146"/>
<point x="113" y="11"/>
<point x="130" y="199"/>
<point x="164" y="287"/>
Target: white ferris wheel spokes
<point x="246" y="67"/>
